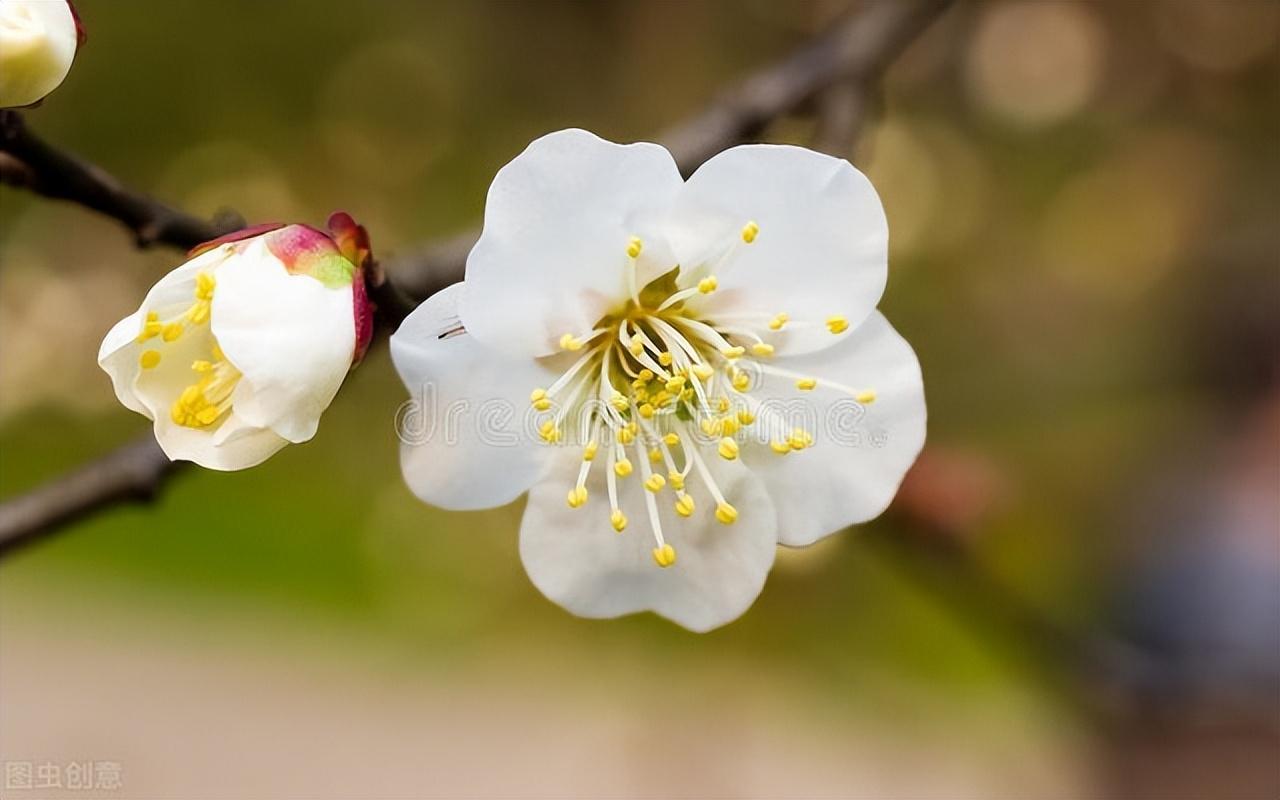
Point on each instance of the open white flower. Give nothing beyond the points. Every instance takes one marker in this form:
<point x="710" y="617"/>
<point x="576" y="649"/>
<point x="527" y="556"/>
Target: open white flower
<point x="237" y="352"/>
<point x="657" y="334"/>
<point x="38" y="42"/>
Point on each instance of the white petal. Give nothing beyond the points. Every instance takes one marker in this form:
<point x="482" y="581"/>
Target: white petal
<point x="38" y="40"/>
<point x="466" y="437"/>
<point x="170" y="296"/>
<point x="821" y="250"/>
<point x="292" y="337"/>
<point x="860" y="453"/>
<point x="557" y="222"/>
<point x="576" y="559"/>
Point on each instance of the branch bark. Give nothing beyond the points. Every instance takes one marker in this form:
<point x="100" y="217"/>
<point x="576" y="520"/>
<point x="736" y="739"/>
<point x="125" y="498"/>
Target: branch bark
<point x="855" y="52"/>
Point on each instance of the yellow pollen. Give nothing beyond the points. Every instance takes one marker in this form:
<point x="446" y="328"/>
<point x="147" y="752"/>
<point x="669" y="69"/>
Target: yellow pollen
<point x="655" y="455"/>
<point x="626" y="435"/>
<point x="549" y="432"/>
<point x="746" y="417"/>
<point x="655" y="482"/>
<point x="171" y="331"/>
<point x="702" y="371"/>
<point x="542" y="405"/>
<point x="645" y="376"/>
<point x="536" y="395"/>
<point x="618" y="401"/>
<point x="711" y="427"/>
<point x="676" y="383"/>
<point x="749" y="232"/>
<point x="728" y="449"/>
<point x="672" y="439"/>
<point x="589" y="452"/>
<point x="722" y="405"/>
<point x="726" y="513"/>
<point x="199" y="312"/>
<point x="837" y="324"/>
<point x="664" y="358"/>
<point x="646" y="410"/>
<point x="684" y="506"/>
<point x="634" y="246"/>
<point x="622" y="467"/>
<point x="618" y="520"/>
<point x="149" y="359"/>
<point x="729" y="426"/>
<point x="778" y="321"/>
<point x="779" y="447"/>
<point x="676" y="480"/>
<point x="636" y="347"/>
<point x="577" y="496"/>
<point x="733" y="352"/>
<point x="687" y="395"/>
<point x="741" y="381"/>
<point x="665" y="556"/>
<point x="201" y="366"/>
<point x="662" y="398"/>
<point x="800" y="439"/>
<point x="807" y="384"/>
<point x="570" y="342"/>
<point x="708" y="284"/>
<point x="866" y="398"/>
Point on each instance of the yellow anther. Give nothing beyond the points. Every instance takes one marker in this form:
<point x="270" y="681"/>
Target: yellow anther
<point x="778" y="321"/>
<point x="618" y="401"/>
<point x="655" y="482"/>
<point x="626" y="435"/>
<point x="662" y="398"/>
<point x="191" y="397"/>
<point x="741" y="381"/>
<point x="153" y="316"/>
<point x="204" y="286"/>
<point x="577" y="496"/>
<point x="728" y="449"/>
<point x="664" y="358"/>
<point x="675" y="384"/>
<point x="589" y="452"/>
<point x="201" y="366"/>
<point x="618" y="520"/>
<point x="722" y="404"/>
<point x="687" y="395"/>
<point x="672" y="439"/>
<point x="726" y="513"/>
<point x="171" y="331"/>
<point x="646" y="410"/>
<point x="837" y="324"/>
<point x="199" y="312"/>
<point x="729" y="426"/>
<point x="636" y="347"/>
<point x="866" y="398"/>
<point x="149" y="359"/>
<point x="655" y="455"/>
<point x="542" y="405"/>
<point x="800" y="439"/>
<point x="645" y="376"/>
<point x="762" y="349"/>
<point x="536" y="395"/>
<point x="711" y="427"/>
<point x="549" y="432"/>
<point x="665" y="556"/>
<point x="733" y="352"/>
<point x="676" y="480"/>
<point x="685" y="506"/>
<point x="622" y="467"/>
<point x="708" y="284"/>
<point x="702" y="370"/>
<point x="749" y="232"/>
<point x="780" y="447"/>
<point x="570" y="342"/>
<point x="807" y="384"/>
<point x="208" y="415"/>
<point x="746" y="417"/>
<point x="217" y="352"/>
<point x="634" y="246"/>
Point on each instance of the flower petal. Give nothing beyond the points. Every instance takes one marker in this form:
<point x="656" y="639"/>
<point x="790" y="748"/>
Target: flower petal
<point x="821" y="249"/>
<point x="552" y="258"/>
<point x="576" y="559"/>
<point x="292" y="337"/>
<point x="38" y="42"/>
<point x="860" y="452"/>
<point x="464" y="443"/>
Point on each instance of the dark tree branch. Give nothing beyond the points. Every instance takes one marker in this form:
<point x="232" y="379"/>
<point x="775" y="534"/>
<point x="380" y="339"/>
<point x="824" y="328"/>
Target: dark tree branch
<point x="855" y="52"/>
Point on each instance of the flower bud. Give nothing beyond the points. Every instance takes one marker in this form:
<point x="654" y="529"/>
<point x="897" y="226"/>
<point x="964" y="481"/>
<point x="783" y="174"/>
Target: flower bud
<point x="38" y="42"/>
<point x="238" y="351"/>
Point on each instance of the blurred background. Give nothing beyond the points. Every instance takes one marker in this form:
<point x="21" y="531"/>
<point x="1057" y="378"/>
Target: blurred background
<point x="1076" y="595"/>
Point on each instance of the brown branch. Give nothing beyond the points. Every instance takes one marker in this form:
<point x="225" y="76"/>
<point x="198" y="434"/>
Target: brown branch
<point x="856" y="52"/>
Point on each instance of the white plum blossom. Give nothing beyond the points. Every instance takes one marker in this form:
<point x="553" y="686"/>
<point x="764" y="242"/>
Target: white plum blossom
<point x="237" y="352"/>
<point x="38" y="42"/>
<point x="700" y="366"/>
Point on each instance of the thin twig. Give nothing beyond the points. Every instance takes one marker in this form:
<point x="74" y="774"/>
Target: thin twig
<point x="857" y="51"/>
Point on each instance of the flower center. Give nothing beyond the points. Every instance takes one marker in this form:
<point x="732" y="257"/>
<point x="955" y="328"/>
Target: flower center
<point x="657" y="382"/>
<point x="207" y="400"/>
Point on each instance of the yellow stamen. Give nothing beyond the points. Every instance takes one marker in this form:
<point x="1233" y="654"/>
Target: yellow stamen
<point x="837" y="324"/>
<point x="589" y="452"/>
<point x="729" y="426"/>
<point x="728" y="449"/>
<point x="570" y="342"/>
<point x="149" y="359"/>
<point x="746" y="417"/>
<point x="778" y="321"/>
<point x="655" y="455"/>
<point x="672" y="439"/>
<point x="702" y="371"/>
<point x="634" y="246"/>
<point x="708" y="284"/>
<point x="741" y="381"/>
<point x="749" y="232"/>
<point x="618" y="520"/>
<point x="622" y="467"/>
<point x="655" y="482"/>
<point x="664" y="358"/>
<point x="676" y="480"/>
<point x="577" y="496"/>
<point x="646" y="410"/>
<point x="762" y="349"/>
<point x="665" y="556"/>
<point x="684" y="506"/>
<point x="733" y="352"/>
<point x="807" y="384"/>
<point x="779" y="447"/>
<point x="171" y="331"/>
<point x="866" y="398"/>
<point x="726" y="513"/>
<point x="800" y="439"/>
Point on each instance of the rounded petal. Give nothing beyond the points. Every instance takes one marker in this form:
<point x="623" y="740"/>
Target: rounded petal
<point x="576" y="559"/>
<point x="38" y="40"/>
<point x="291" y="336"/>
<point x="119" y="353"/>
<point x="552" y="258"/>
<point x="820" y="246"/>
<point x="464" y="438"/>
<point x="860" y="453"/>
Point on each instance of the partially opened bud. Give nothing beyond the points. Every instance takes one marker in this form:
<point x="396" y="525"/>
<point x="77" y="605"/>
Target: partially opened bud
<point x="38" y="42"/>
<point x="237" y="352"/>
